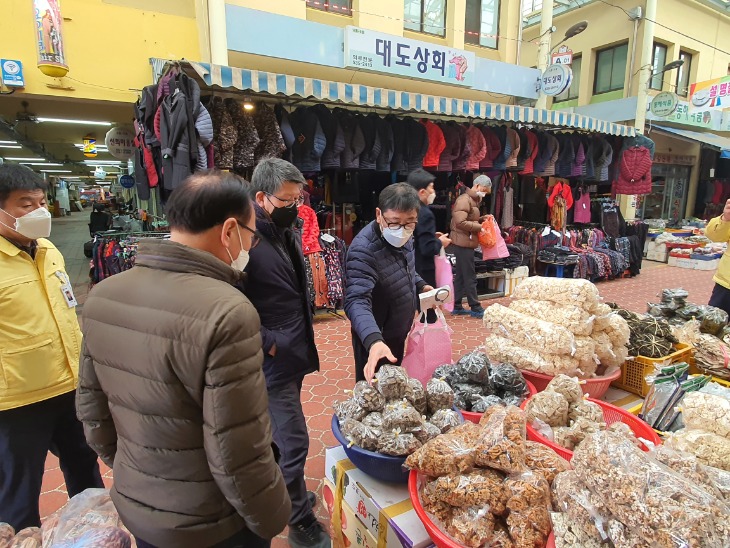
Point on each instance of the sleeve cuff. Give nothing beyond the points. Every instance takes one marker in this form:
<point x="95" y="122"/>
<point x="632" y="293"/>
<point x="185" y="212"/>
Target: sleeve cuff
<point x="370" y="340"/>
<point x="420" y="285"/>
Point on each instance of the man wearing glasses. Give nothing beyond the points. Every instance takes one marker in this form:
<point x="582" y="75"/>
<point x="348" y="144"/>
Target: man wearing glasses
<point x="276" y="284"/>
<point x="381" y="293"/>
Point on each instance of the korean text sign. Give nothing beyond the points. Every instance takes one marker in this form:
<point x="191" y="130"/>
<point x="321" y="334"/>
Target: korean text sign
<point x="378" y="52"/>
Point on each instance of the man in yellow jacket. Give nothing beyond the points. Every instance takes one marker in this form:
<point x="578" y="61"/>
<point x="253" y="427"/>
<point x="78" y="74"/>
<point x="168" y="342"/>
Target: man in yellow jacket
<point x="718" y="230"/>
<point x="40" y="343"/>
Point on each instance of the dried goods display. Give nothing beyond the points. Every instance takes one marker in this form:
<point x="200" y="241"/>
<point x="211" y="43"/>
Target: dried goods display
<point x="707" y="412"/>
<point x="360" y="434"/>
<point x="485" y="485"/>
<point x="396" y="444"/>
<point x="391" y="382"/>
<point x="710" y="449"/>
<point x="439" y="395"/>
<point x="368" y="397"/>
<point x="575" y="319"/>
<point x="558" y="290"/>
<point x="445" y="420"/>
<point x="416" y="394"/>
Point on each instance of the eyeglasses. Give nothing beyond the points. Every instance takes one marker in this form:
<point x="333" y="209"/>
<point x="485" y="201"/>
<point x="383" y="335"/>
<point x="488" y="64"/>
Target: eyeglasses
<point x="255" y="238"/>
<point x="396" y="226"/>
<point x="287" y="203"/>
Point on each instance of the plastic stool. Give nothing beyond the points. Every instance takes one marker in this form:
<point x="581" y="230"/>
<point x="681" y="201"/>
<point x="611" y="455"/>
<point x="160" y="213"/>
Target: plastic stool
<point x="559" y="270"/>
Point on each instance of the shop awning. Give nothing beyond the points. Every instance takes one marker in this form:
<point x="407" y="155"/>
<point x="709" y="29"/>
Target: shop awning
<point x="712" y="139"/>
<point x="257" y="81"/>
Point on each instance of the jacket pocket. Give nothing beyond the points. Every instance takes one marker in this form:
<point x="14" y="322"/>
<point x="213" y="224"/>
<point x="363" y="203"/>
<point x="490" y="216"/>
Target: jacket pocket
<point x="30" y="364"/>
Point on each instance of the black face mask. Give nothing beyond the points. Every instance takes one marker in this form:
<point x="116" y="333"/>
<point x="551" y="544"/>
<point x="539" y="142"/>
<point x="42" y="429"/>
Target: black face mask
<point x="284" y="217"/>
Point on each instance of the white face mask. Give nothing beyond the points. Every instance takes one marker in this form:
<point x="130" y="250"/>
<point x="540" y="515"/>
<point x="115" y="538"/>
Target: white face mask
<point x="240" y="262"/>
<point x="397" y="237"/>
<point x="481" y="194"/>
<point x="431" y="198"/>
<point x="33" y="225"/>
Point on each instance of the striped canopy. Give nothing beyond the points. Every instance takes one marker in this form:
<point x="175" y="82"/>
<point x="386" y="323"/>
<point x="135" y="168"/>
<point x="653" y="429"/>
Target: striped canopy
<point x="366" y="96"/>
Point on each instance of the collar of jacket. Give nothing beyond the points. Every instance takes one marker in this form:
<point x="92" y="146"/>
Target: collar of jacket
<point x="473" y="195"/>
<point x="175" y="257"/>
<point x="11" y="249"/>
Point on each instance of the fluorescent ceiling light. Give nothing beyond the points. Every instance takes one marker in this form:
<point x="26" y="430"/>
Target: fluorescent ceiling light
<point x="56" y="171"/>
<point x="11" y="146"/>
<point x="46" y="164"/>
<point x="73" y="121"/>
<point x="16" y="159"/>
<point x="8" y="142"/>
<point x="103" y="161"/>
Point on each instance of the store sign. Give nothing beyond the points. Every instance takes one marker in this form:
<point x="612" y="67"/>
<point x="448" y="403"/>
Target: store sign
<point x="684" y="115"/>
<point x="49" y="38"/>
<point x="710" y="94"/>
<point x="386" y="53"/>
<point x="127" y="181"/>
<point x="556" y="79"/>
<point x="89" y="147"/>
<point x="120" y="142"/>
<point x="12" y="73"/>
<point x="675" y="159"/>
<point x="664" y="104"/>
<point x="563" y="56"/>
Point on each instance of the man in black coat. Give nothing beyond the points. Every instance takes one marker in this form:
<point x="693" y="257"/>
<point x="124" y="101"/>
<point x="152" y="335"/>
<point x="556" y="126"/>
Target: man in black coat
<point x="428" y="242"/>
<point x="276" y="284"/>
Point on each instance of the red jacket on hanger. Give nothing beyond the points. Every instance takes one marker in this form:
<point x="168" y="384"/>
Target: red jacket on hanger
<point x="436" y="144"/>
<point x="634" y="176"/>
<point x="310" y="230"/>
<point x="564" y="190"/>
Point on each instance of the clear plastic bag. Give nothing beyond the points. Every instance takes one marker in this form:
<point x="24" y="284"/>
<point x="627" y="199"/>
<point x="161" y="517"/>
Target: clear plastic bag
<point x="416" y="394"/>
<point x="710" y="449"/>
<point x="558" y="290"/>
<point x="464" y="393"/>
<point x="592" y="412"/>
<point x="707" y="412"/>
<point x="472" y="527"/>
<point x="396" y="444"/>
<point x="541" y="459"/>
<point x="507" y="380"/>
<point x="359" y="434"/>
<point x="528" y="331"/>
<point x="713" y="320"/>
<point x="478" y="488"/>
<point x="480" y="404"/>
<point x="445" y="420"/>
<point x="401" y="415"/>
<point x="374" y="421"/>
<point x="452" y="374"/>
<point x="475" y="366"/>
<point x="30" y="537"/>
<point x="573" y="318"/>
<point x="501" y="349"/>
<point x="529" y="509"/>
<point x="502" y="442"/>
<point x="549" y="407"/>
<point x="101" y="537"/>
<point x="349" y="409"/>
<point x="571" y="496"/>
<point x="450" y="453"/>
<point x="368" y="397"/>
<point x="425" y="432"/>
<point x="391" y="381"/>
<point x="439" y="395"/>
<point x="569" y="387"/>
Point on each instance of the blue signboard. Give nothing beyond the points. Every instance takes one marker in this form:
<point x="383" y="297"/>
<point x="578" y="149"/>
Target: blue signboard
<point x="12" y="73"/>
<point x="127" y="181"/>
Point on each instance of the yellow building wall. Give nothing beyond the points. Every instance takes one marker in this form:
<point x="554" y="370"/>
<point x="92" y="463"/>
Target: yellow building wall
<point x="108" y="44"/>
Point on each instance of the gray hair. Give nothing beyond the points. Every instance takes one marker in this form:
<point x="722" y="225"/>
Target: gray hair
<point x="399" y="197"/>
<point x="271" y="173"/>
<point x="482" y="180"/>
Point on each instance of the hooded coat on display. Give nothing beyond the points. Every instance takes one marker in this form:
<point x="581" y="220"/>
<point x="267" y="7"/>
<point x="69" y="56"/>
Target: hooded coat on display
<point x="332" y="155"/>
<point x="226" y="134"/>
<point x="464" y="149"/>
<point x="387" y="144"/>
<point x="354" y="139"/>
<point x="398" y="126"/>
<point x="494" y="147"/>
<point x="309" y="140"/>
<point x="369" y="156"/>
<point x="287" y="132"/>
<point x="417" y="144"/>
<point x="271" y="143"/>
<point x="453" y="147"/>
<point x="477" y="148"/>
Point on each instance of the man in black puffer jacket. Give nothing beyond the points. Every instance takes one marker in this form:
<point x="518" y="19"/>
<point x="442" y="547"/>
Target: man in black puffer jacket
<point x="381" y="295"/>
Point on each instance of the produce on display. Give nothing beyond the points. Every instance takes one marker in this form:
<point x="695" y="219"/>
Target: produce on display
<point x="619" y="495"/>
<point x="650" y="336"/>
<point x="396" y="424"/>
<point x="557" y="326"/>
<point x="485" y="485"/>
<point x="675" y="308"/>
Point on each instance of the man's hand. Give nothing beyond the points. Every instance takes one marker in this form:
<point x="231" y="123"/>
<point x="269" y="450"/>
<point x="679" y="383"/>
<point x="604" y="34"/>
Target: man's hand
<point x="483" y="218"/>
<point x="726" y="212"/>
<point x="444" y="239"/>
<point x="378" y="351"/>
<point x="426" y="288"/>
<point x="272" y="351"/>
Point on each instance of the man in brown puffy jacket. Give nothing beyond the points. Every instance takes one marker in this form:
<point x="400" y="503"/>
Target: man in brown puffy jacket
<point x="171" y="391"/>
<point x="465" y="229"/>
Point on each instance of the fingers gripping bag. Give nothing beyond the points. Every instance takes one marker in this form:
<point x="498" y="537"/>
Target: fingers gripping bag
<point x="427" y="347"/>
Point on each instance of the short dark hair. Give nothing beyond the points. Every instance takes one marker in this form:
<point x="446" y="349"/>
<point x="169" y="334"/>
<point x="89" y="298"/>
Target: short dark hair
<point x="399" y="197"/>
<point x="420" y="179"/>
<point x="206" y="199"/>
<point x="17" y="177"/>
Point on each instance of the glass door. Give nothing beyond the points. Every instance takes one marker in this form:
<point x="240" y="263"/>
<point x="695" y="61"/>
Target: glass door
<point x="668" y="197"/>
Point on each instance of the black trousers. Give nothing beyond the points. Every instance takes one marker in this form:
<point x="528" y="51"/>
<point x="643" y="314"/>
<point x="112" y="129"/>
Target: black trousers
<point x="720" y="298"/>
<point x="465" y="277"/>
<point x="289" y="429"/>
<point x="26" y="435"/>
<point x="243" y="539"/>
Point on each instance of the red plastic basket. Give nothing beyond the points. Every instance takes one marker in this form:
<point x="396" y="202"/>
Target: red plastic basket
<point x="595" y="387"/>
<point x="476" y="417"/>
<point x="550" y="541"/>
<point x="611" y="414"/>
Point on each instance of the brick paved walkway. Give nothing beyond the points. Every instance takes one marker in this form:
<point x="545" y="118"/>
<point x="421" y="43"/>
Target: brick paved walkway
<point x="334" y="345"/>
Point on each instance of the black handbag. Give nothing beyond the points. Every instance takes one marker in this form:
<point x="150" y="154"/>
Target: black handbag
<point x="89" y="249"/>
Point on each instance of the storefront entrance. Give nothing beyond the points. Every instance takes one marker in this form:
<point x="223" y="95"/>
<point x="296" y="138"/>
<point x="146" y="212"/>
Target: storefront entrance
<point x="668" y="197"/>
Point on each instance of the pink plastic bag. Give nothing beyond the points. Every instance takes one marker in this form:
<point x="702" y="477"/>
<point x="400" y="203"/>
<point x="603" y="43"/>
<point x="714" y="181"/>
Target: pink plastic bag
<point x="427" y="347"/>
<point x="499" y="251"/>
<point x="445" y="277"/>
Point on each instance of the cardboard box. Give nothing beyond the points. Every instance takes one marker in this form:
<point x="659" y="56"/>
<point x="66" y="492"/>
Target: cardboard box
<point x="384" y="508"/>
<point x="694" y="264"/>
<point x="354" y="532"/>
<point x="657" y="252"/>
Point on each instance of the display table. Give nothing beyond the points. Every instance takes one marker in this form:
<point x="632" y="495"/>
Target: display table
<point x="491" y="285"/>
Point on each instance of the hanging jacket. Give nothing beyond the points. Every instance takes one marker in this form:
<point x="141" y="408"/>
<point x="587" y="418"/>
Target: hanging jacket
<point x="436" y="144"/>
<point x="141" y="179"/>
<point x="543" y="154"/>
<point x="525" y="151"/>
<point x="494" y="147"/>
<point x="277" y="286"/>
<point x="580" y="156"/>
<point x="287" y="132"/>
<point x="589" y="167"/>
<point x="369" y="156"/>
<point x="533" y="149"/>
<point x="500" y="162"/>
<point x="514" y="141"/>
<point x="226" y="134"/>
<point x="271" y="142"/>
<point x="561" y="189"/>
<point x="310" y="230"/>
<point x="398" y="126"/>
<point x="354" y="139"/>
<point x="634" y="176"/>
<point x="554" y="147"/>
<point x="176" y="159"/>
<point x="453" y="146"/>
<point x="566" y="159"/>
<point x="639" y="140"/>
<point x="172" y="397"/>
<point x="204" y="131"/>
<point x="417" y="144"/>
<point x="603" y="159"/>
<point x="464" y="150"/>
<point x="477" y="148"/>
<point x="148" y="106"/>
<point x="335" y="137"/>
<point x="310" y="140"/>
<point x="248" y="137"/>
<point x="387" y="144"/>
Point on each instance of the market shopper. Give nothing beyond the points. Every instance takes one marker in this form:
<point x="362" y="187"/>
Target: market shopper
<point x="381" y="292"/>
<point x="718" y="230"/>
<point x="428" y="242"/>
<point x="276" y="284"/>
<point x="171" y="391"/>
<point x="40" y="344"/>
<point x="465" y="229"/>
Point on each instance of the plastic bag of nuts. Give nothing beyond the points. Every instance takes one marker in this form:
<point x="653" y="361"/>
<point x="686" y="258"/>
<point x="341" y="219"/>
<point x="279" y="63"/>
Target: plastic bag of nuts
<point x="439" y="395"/>
<point x="502" y="442"/>
<point x="550" y="407"/>
<point x="451" y="453"/>
<point x="475" y="366"/>
<point x="707" y="412"/>
<point x="425" y="432"/>
<point x="392" y="382"/>
<point x="569" y="387"/>
<point x="445" y="420"/>
<point x="416" y="394"/>
<point x="479" y="488"/>
<point x="401" y="415"/>
<point x="396" y="444"/>
<point x="359" y="434"/>
<point x="374" y="420"/>
<point x="368" y="397"/>
<point x="529" y="509"/>
<point x="473" y="526"/>
<point x="540" y="458"/>
<point x="349" y="409"/>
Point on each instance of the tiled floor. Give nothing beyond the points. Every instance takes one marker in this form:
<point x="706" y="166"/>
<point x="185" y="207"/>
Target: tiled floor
<point x="334" y="345"/>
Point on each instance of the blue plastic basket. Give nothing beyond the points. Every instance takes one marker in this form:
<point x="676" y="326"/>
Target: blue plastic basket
<point x="376" y="465"/>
